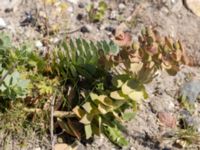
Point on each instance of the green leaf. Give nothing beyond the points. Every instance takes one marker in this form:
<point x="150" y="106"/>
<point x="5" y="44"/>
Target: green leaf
<point x="136" y="95"/>
<point x="94" y="51"/>
<point x="106" y="48"/>
<point x="88" y="131"/>
<point x="127" y="116"/>
<point x="83" y="72"/>
<point x="114" y="49"/>
<point x="78" y="111"/>
<point x="67" y="53"/>
<point x="105" y="100"/>
<point x="131" y="86"/>
<point x="88" y="107"/>
<point x="86" y="119"/>
<point x="80" y="47"/>
<point x="119" y="80"/>
<point x="94" y="96"/>
<point x="118" y="95"/>
<point x="114" y="134"/>
<point x="73" y="51"/>
<point x="73" y="71"/>
<point x="102" y="5"/>
<point x="87" y="49"/>
<point x="80" y="60"/>
<point x="103" y="108"/>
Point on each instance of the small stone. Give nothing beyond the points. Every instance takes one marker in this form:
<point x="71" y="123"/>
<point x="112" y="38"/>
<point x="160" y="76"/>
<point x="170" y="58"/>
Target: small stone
<point x="61" y="147"/>
<point x="38" y="148"/>
<point x="122" y="6"/>
<point x="73" y="1"/>
<point x="167" y="119"/>
<point x="113" y="15"/>
<point x="70" y="9"/>
<point x="81" y="5"/>
<point x="176" y="5"/>
<point x="2" y="23"/>
<point x="38" y="44"/>
<point x="84" y="29"/>
<point x="8" y="10"/>
<point x="194" y="6"/>
<point x="79" y="17"/>
<point x="110" y="29"/>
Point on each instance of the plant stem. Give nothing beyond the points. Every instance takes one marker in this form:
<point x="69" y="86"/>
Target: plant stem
<point x="52" y="122"/>
<point x="7" y="73"/>
<point x="58" y="114"/>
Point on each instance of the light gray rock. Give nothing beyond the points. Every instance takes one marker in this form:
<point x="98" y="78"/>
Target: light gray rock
<point x="162" y="103"/>
<point x="113" y="15"/>
<point x="73" y="1"/>
<point x="2" y="24"/>
<point x="122" y="6"/>
<point x="190" y="90"/>
<point x="9" y="4"/>
<point x="194" y="6"/>
<point x="173" y="5"/>
<point x="190" y="120"/>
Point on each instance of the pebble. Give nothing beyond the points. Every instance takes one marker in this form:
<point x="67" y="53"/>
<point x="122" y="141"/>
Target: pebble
<point x="194" y="6"/>
<point x="172" y="5"/>
<point x="122" y="6"/>
<point x="110" y="29"/>
<point x="38" y="44"/>
<point x="84" y="29"/>
<point x="61" y="146"/>
<point x="73" y="1"/>
<point x="2" y="23"/>
<point x="81" y="5"/>
<point x="79" y="17"/>
<point x="70" y="9"/>
<point x="177" y="5"/>
<point x="167" y="119"/>
<point x="113" y="15"/>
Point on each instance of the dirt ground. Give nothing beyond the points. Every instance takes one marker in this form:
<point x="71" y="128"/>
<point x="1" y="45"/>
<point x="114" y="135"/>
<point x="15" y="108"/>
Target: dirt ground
<point x="169" y="17"/>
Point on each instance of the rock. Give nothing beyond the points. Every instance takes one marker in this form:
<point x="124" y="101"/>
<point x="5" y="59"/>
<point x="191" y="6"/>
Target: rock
<point x="79" y="17"/>
<point x="194" y="6"/>
<point x="172" y="5"/>
<point x="70" y="9"/>
<point x="73" y="1"/>
<point x="122" y="6"/>
<point x="10" y="4"/>
<point x="2" y="23"/>
<point x="167" y="119"/>
<point x="162" y="103"/>
<point x="190" y="91"/>
<point x="84" y="29"/>
<point x="176" y="5"/>
<point x="38" y="44"/>
<point x="110" y="29"/>
<point x="62" y="147"/>
<point x="189" y="121"/>
<point x="113" y="15"/>
<point x="81" y="5"/>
